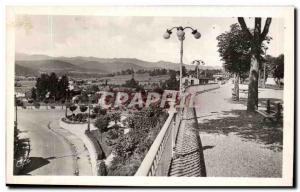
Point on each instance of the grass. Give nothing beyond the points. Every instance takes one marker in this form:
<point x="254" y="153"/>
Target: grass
<point x="25" y="86"/>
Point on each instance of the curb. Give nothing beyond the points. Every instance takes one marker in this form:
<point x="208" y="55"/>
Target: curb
<point x="73" y="150"/>
<point x="87" y="142"/>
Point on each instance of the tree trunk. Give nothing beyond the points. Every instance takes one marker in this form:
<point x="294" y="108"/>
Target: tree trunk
<point x="236" y="87"/>
<point x="252" y="103"/>
<point x="256" y="40"/>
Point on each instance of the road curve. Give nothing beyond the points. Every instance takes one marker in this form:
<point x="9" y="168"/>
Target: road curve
<point x="50" y="153"/>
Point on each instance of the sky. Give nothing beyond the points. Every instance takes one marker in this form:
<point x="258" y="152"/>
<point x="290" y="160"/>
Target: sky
<point x="129" y="37"/>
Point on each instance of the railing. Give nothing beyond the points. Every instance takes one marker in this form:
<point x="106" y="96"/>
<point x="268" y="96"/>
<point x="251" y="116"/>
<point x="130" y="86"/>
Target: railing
<point x="158" y="159"/>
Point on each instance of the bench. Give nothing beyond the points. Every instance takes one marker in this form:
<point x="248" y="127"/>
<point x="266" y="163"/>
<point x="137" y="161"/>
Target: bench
<point x="274" y="114"/>
<point x="244" y="90"/>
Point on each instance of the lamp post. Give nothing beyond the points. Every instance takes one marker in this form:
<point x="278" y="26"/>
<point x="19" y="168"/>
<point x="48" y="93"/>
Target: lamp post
<point x="197" y="63"/>
<point x="181" y="36"/>
<point x="89" y="118"/>
<point x="264" y="84"/>
<point x="66" y="102"/>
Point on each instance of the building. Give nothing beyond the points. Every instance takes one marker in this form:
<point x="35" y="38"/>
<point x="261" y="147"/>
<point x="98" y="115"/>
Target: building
<point x="190" y="80"/>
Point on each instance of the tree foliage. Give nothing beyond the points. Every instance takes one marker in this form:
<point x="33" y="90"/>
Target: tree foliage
<point x="234" y="50"/>
<point x="131" y="148"/>
<point x="83" y="108"/>
<point x="73" y="108"/>
<point x="278" y="70"/>
<point x="115" y="116"/>
<point x="102" y="122"/>
<point x="275" y="66"/>
<point x="172" y="83"/>
<point x="55" y="86"/>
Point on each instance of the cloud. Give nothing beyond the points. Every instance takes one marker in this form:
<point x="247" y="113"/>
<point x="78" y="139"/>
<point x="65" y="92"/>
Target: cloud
<point x="133" y="37"/>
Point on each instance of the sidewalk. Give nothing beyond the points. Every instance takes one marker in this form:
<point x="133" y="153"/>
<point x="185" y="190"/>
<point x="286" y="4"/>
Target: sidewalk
<point x="235" y="143"/>
<point x="80" y="153"/>
<point x="79" y="131"/>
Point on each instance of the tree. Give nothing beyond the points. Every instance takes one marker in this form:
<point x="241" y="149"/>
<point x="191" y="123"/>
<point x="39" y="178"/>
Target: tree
<point x="99" y="110"/>
<point x="83" y="108"/>
<point x="132" y="83"/>
<point x="126" y="145"/>
<point x="274" y="67"/>
<point x="57" y="88"/>
<point x="63" y="85"/>
<point x="184" y="71"/>
<point x="101" y="123"/>
<point x="172" y="83"/>
<point x="53" y="86"/>
<point x="33" y="93"/>
<point x="116" y="116"/>
<point x="278" y="70"/>
<point x="73" y="108"/>
<point x="93" y="89"/>
<point x="102" y="169"/>
<point x="256" y="39"/>
<point x="42" y="86"/>
<point x="234" y="51"/>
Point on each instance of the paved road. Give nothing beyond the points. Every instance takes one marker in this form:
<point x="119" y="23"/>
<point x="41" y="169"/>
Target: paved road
<point x="230" y="155"/>
<point x="51" y="154"/>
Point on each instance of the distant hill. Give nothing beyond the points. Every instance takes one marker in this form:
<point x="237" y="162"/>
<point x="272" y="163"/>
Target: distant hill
<point x="25" y="71"/>
<point x="44" y="63"/>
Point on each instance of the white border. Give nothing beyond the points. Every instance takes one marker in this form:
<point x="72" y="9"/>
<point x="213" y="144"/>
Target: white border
<point x="181" y="11"/>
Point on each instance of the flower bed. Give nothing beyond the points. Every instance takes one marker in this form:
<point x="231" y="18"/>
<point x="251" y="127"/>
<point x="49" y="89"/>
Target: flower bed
<point x="66" y="120"/>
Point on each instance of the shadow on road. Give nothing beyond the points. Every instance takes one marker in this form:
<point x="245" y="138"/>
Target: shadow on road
<point x="208" y="147"/>
<point x="261" y="101"/>
<point x="249" y="126"/>
<point x="35" y="163"/>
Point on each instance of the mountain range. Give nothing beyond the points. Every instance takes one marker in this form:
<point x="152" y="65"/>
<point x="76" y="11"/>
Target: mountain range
<point x="28" y="65"/>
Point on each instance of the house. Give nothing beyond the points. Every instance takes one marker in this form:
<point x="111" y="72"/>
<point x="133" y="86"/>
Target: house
<point x="190" y="80"/>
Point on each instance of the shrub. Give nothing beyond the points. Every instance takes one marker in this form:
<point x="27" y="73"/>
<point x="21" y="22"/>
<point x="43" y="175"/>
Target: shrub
<point x="115" y="116"/>
<point x="124" y="167"/>
<point x="112" y="134"/>
<point x="99" y="110"/>
<point x="102" y="123"/>
<point x="19" y="103"/>
<point x="93" y="116"/>
<point x="83" y="108"/>
<point x="37" y="105"/>
<point x="73" y="108"/>
<point x="81" y="117"/>
<point x="102" y="170"/>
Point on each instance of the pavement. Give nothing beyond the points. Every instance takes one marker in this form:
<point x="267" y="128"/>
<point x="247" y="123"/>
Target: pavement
<point x="52" y="152"/>
<point x="188" y="158"/>
<point x="78" y="130"/>
<point x="232" y="154"/>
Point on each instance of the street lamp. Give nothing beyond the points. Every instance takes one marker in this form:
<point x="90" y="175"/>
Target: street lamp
<point x="89" y="118"/>
<point x="197" y="63"/>
<point x="264" y="84"/>
<point x="181" y="36"/>
<point x="66" y="102"/>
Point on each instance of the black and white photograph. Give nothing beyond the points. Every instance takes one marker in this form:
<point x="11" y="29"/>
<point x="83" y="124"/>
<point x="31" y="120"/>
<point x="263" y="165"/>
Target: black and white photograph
<point x="150" y="94"/>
